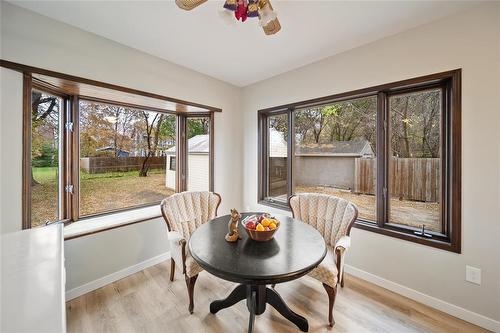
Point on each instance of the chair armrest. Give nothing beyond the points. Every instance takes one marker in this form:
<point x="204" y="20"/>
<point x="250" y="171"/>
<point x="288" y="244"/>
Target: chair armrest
<point x="344" y="242"/>
<point x="178" y="249"/>
<point x="174" y="237"/>
<point x="340" y="249"/>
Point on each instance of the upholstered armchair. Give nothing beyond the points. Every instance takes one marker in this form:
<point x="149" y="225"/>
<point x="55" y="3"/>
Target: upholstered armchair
<point x="333" y="217"/>
<point x="183" y="213"/>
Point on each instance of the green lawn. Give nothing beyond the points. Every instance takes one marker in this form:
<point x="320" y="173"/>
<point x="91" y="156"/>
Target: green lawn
<point x="45" y="174"/>
<point x="98" y="192"/>
<point x="49" y="174"/>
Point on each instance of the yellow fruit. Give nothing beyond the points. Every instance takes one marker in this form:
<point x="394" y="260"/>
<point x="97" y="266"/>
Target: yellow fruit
<point x="259" y="227"/>
<point x="265" y="222"/>
<point x="272" y="225"/>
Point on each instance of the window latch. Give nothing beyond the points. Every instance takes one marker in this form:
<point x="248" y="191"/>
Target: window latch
<point x="423" y="233"/>
<point x="69" y="189"/>
<point x="69" y="126"/>
<point x="49" y="222"/>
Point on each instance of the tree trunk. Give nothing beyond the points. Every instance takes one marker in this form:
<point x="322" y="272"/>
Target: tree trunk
<point x="405" y="130"/>
<point x="145" y="166"/>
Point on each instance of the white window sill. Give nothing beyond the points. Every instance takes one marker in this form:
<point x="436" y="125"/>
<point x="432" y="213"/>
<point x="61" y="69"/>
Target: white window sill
<point x="110" y="221"/>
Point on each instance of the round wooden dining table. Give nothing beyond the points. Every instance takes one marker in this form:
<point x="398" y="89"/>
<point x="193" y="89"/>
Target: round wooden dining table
<point x="295" y="250"/>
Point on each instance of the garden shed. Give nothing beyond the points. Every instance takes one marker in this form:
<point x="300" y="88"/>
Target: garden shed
<point x="198" y="164"/>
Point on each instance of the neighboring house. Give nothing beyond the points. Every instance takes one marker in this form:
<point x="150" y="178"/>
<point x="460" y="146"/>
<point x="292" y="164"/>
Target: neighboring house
<point x="354" y="148"/>
<point x="198" y="164"/>
<point x="111" y="151"/>
<point x="330" y="164"/>
<point x="140" y="144"/>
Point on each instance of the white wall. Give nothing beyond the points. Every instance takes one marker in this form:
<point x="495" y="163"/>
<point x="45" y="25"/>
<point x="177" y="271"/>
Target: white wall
<point x="471" y="41"/>
<point x="52" y="45"/>
<point x="11" y="151"/>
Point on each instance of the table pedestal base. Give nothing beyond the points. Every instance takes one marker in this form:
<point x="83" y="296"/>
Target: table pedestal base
<point x="257" y="297"/>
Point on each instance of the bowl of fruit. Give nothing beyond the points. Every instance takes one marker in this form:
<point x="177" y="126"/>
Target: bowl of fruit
<point x="261" y="227"/>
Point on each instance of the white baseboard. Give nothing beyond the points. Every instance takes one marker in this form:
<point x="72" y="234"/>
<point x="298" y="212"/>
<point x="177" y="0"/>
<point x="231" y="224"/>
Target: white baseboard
<point x="456" y="311"/>
<point x="101" y="282"/>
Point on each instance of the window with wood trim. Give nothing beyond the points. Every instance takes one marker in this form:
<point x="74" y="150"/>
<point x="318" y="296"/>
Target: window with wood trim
<point x="123" y="157"/>
<point x="47" y="162"/>
<point x="393" y="150"/>
<point x="87" y="156"/>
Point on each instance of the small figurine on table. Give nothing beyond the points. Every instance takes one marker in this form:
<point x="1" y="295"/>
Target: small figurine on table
<point x="233" y="235"/>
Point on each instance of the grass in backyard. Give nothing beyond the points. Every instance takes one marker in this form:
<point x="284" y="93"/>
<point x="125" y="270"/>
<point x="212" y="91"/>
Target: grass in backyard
<point x="98" y="192"/>
<point x="44" y="195"/>
<point x="45" y="174"/>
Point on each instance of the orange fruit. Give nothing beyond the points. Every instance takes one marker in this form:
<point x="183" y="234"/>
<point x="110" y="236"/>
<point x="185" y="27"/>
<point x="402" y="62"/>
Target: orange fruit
<point x="259" y="227"/>
<point x="272" y="226"/>
<point x="265" y="222"/>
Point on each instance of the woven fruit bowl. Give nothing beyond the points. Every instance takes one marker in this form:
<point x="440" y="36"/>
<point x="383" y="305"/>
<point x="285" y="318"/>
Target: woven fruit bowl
<point x="260" y="228"/>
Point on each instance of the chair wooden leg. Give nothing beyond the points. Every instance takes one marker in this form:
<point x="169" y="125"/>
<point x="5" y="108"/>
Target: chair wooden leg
<point x="332" y="292"/>
<point x="190" y="281"/>
<point x="342" y="280"/>
<point x="172" y="269"/>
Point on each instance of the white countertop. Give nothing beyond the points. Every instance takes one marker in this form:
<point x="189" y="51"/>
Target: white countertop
<point x="33" y="280"/>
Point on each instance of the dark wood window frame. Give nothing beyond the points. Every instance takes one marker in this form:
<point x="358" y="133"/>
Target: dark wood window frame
<point x="71" y="142"/>
<point x="450" y="84"/>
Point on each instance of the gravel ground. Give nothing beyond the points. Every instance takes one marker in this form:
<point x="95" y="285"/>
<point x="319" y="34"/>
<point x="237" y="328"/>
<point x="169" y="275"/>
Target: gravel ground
<point x="411" y="213"/>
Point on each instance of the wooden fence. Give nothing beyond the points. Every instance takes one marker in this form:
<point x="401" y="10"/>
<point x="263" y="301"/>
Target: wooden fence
<point x="415" y="179"/>
<point x="122" y="164"/>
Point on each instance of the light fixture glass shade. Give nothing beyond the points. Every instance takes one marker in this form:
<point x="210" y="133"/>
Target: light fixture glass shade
<point x="266" y="15"/>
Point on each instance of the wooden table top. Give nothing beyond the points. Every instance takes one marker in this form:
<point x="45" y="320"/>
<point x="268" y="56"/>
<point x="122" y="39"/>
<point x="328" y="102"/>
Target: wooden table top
<point x="296" y="249"/>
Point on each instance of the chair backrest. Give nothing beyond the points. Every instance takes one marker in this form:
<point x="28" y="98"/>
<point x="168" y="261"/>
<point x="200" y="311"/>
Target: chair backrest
<point x="333" y="217"/>
<point x="184" y="212"/>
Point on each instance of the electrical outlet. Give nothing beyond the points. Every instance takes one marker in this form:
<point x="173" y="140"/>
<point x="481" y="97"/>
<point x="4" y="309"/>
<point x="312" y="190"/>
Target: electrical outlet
<point x="473" y="274"/>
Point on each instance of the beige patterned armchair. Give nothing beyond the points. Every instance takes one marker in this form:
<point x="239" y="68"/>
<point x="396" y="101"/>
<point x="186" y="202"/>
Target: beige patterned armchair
<point x="333" y="217"/>
<point x="183" y="213"/>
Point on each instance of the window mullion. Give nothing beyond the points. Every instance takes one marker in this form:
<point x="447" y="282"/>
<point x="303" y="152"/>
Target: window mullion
<point x="181" y="154"/>
<point x="64" y="156"/>
<point x="27" y="170"/>
<point x="290" y="152"/>
<point x="266" y="188"/>
<point x="445" y="159"/>
<point x="73" y="159"/>
<point x="211" y="152"/>
<point x="382" y="159"/>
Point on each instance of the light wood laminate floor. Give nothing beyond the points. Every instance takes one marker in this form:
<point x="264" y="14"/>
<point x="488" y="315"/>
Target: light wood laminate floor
<point x="148" y="302"/>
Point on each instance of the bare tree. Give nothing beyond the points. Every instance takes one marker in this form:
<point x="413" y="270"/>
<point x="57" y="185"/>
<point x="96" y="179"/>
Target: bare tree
<point x="43" y="108"/>
<point x="153" y="127"/>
